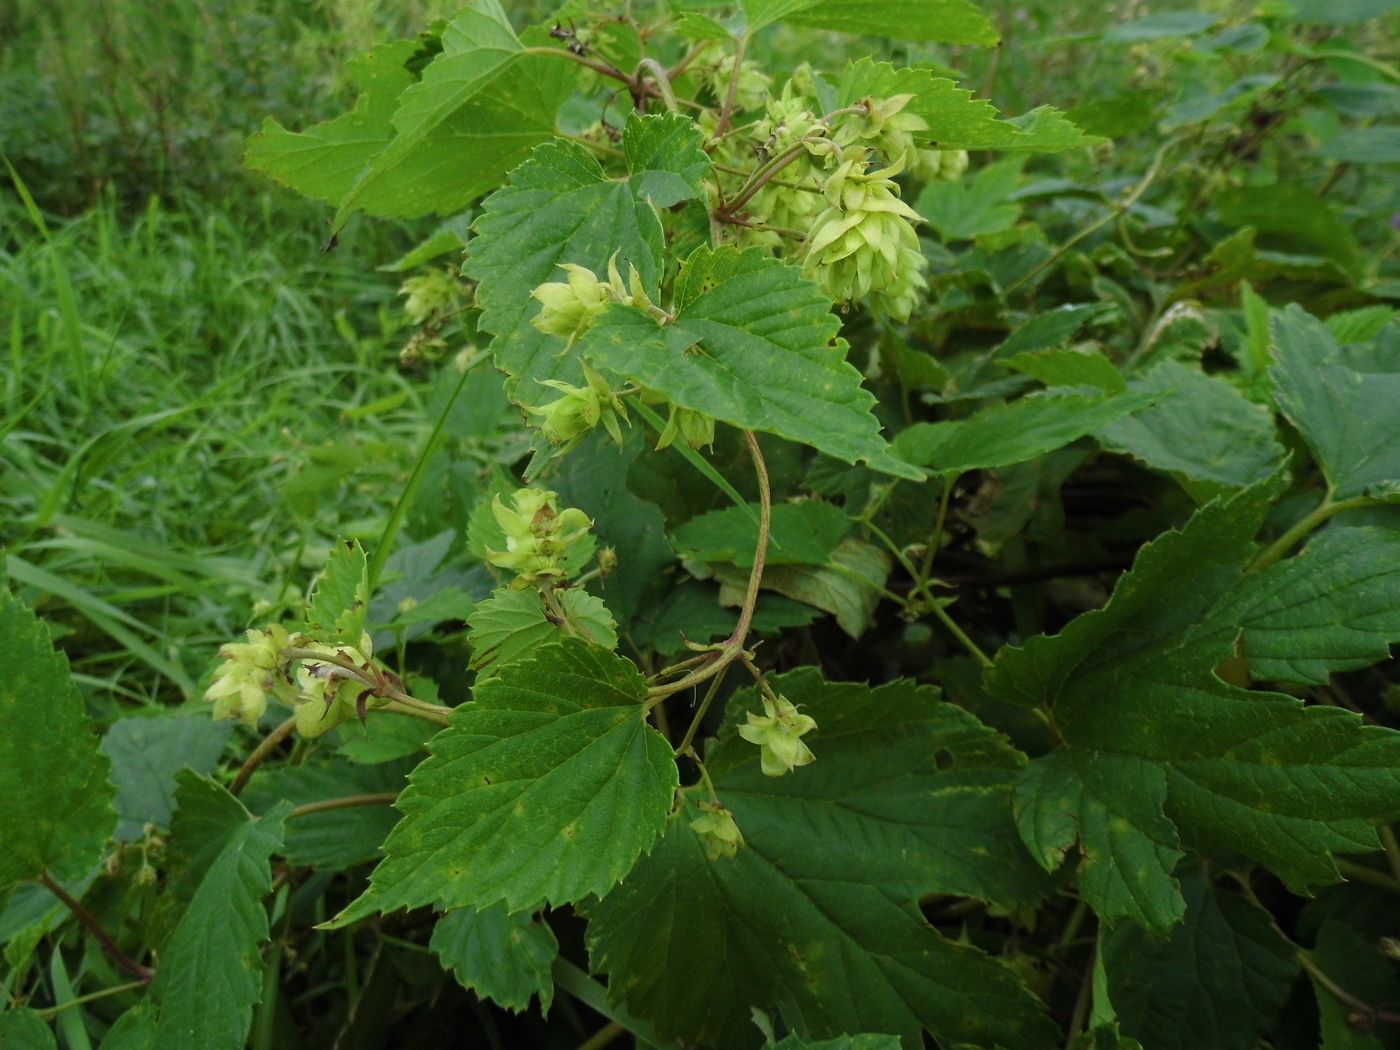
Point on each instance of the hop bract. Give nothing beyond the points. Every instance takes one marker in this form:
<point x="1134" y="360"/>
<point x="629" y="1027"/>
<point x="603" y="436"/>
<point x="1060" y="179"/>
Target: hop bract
<point x="330" y="693"/>
<point x="719" y="835"/>
<point x="538" y="535"/>
<point x="569" y="307"/>
<point x="778" y="733"/>
<point x="251" y="670"/>
<point x="567" y="420"/>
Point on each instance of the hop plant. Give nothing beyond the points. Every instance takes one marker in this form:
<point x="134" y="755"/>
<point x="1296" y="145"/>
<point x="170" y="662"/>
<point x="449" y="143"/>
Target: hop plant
<point x="330" y="692"/>
<point x="538" y="535"/>
<point x="778" y="732"/>
<point x="568" y="308"/>
<point x="251" y="671"/>
<point x="864" y="242"/>
<point x="694" y="428"/>
<point x="719" y="835"/>
<point x="568" y="419"/>
<point x="884" y="125"/>
<point x="752" y="89"/>
<point x="930" y="164"/>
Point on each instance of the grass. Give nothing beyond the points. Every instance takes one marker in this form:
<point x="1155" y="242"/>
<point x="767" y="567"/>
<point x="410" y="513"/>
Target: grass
<point x="177" y="440"/>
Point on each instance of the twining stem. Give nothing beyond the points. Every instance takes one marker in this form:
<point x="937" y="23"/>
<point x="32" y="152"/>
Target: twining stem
<point x="49" y="1013"/>
<point x="722" y="655"/>
<point x="143" y="974"/>
<point x="763" y="175"/>
<point x="684" y="746"/>
<point x="1361" y="873"/>
<point x="1392" y="848"/>
<point x="383" y="798"/>
<point x="733" y="94"/>
<point x="605" y="1036"/>
<point x="936" y="538"/>
<point x="935" y="606"/>
<point x="663" y="81"/>
<point x="419" y="709"/>
<point x="1361" y="1006"/>
<point x="1305" y="525"/>
<point x="1082" y="999"/>
<point x="598" y="67"/>
<point x="268" y="745"/>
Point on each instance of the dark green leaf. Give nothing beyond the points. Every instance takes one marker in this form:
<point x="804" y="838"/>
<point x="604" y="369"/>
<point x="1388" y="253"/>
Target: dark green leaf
<point x="1070" y="368"/>
<point x="664" y="158"/>
<point x="1161" y="25"/>
<point x="545" y="788"/>
<point x="973" y="207"/>
<point x="147" y="752"/>
<point x="55" y="782"/>
<point x="1220" y="979"/>
<point x="23" y="1029"/>
<point x="502" y="957"/>
<point x="513" y="623"/>
<point x="943" y="21"/>
<point x="340" y="601"/>
<point x="816" y="912"/>
<point x="803" y="533"/>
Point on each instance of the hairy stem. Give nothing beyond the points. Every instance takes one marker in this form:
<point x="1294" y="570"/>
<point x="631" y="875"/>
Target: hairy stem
<point x="684" y="746"/>
<point x="1361" y="1006"/>
<point x="663" y="81"/>
<point x="260" y="753"/>
<point x="383" y="798"/>
<point x="143" y="974"/>
<point x="49" y="1013"/>
<point x="1277" y="550"/>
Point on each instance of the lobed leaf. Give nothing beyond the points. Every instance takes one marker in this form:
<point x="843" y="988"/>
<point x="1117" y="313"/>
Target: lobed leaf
<point x="513" y="623"/>
<point x="502" y="957"/>
<point x="545" y="788"/>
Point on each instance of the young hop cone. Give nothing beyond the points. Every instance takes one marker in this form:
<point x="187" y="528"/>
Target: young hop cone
<point x="778" y="733"/>
<point x="538" y="535"/>
<point x="251" y="670"/>
<point x="719" y="835"/>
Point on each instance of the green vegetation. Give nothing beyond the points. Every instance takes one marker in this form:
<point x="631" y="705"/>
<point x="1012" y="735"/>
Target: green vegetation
<point x="765" y="523"/>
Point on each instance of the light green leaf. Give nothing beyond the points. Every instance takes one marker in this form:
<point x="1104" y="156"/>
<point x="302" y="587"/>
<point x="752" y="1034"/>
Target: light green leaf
<point x="336" y="613"/>
<point x="513" y="623"/>
<point x="1335" y="607"/>
<point x="1341" y="12"/>
<point x="23" y="1029"/>
<point x="210" y="972"/>
<point x="1013" y="432"/>
<point x="1070" y="367"/>
<point x="147" y="752"/>
<point x="1247" y="772"/>
<point x="802" y="533"/>
<point x="338" y="838"/>
<point x="57" y="814"/>
<point x="325" y="160"/>
<point x="1201" y="429"/>
<point x="545" y="788"/>
<point x="664" y="158"/>
<point x="502" y="957"/>
<point x="907" y="796"/>
<point x="559" y="207"/>
<point x="941" y="21"/>
<point x="975" y="206"/>
<point x="849" y="586"/>
<point x="1347" y="417"/>
<point x="1361" y="325"/>
<point x="955" y="119"/>
<point x="477" y="47"/>
<point x="753" y="344"/>
<point x="1220" y="980"/>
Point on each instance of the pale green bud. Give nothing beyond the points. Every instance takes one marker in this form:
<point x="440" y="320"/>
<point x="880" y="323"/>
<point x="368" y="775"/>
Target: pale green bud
<point x="568" y="308"/>
<point x="538" y="535"/>
<point x="251" y="670"/>
<point x="694" y="428"/>
<point x="778" y="733"/>
<point x="428" y="294"/>
<point x="719" y="835"/>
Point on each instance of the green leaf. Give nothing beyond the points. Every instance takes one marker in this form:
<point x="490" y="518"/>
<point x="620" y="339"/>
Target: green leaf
<point x="502" y="957"/>
<point x="1201" y="429"/>
<point x="382" y="740"/>
<point x="1335" y="607"/>
<point x="1104" y="1037"/>
<point x="802" y="533"/>
<point x="1013" y="432"/>
<point x="1347" y="417"/>
<point x="55" y="781"/>
<point x="336" y="613"/>
<point x="841" y="1042"/>
<point x="513" y="623"/>
<point x="338" y="838"/>
<point x="1220" y="979"/>
<point x="664" y="158"/>
<point x="560" y="207"/>
<point x="940" y="21"/>
<point x="1161" y="26"/>
<point x="973" y="207"/>
<point x="545" y="788"/>
<point x="23" y="1029"/>
<point x="210" y="972"/>
<point x="1349" y="957"/>
<point x="817" y="912"/>
<point x="1341" y="12"/>
<point x="477" y="47"/>
<point x="1070" y="367"/>
<point x="849" y="586"/>
<point x="955" y="119"/>
<point x="1130" y="689"/>
<point x="146" y="753"/>
<point x="753" y="344"/>
<point x="1363" y="146"/>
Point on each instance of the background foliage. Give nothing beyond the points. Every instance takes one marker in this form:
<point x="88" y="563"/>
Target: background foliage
<point x="1153" y="384"/>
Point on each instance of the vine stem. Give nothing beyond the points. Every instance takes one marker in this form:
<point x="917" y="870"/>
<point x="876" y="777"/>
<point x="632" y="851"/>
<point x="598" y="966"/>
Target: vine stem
<point x="1392" y="848"/>
<point x="260" y="753"/>
<point x="727" y="111"/>
<point x="1318" y="974"/>
<point x="763" y="175"/>
<point x="598" y="67"/>
<point x="143" y="974"/>
<point x="936" y="538"/>
<point x="49" y="1013"/>
<point x="733" y="647"/>
<point x="663" y="81"/>
<point x="1305" y="525"/>
<point x="684" y="746"/>
<point x="383" y="798"/>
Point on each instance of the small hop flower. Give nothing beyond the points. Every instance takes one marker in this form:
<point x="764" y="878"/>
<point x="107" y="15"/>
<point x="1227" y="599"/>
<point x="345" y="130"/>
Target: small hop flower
<point x="330" y="693"/>
<point x="694" y="428"/>
<point x="566" y="420"/>
<point x="428" y="294"/>
<point x="538" y="535"/>
<point x="778" y="733"/>
<point x="719" y="835"/>
<point x="886" y="126"/>
<point x="251" y="670"/>
<point x="568" y="308"/>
